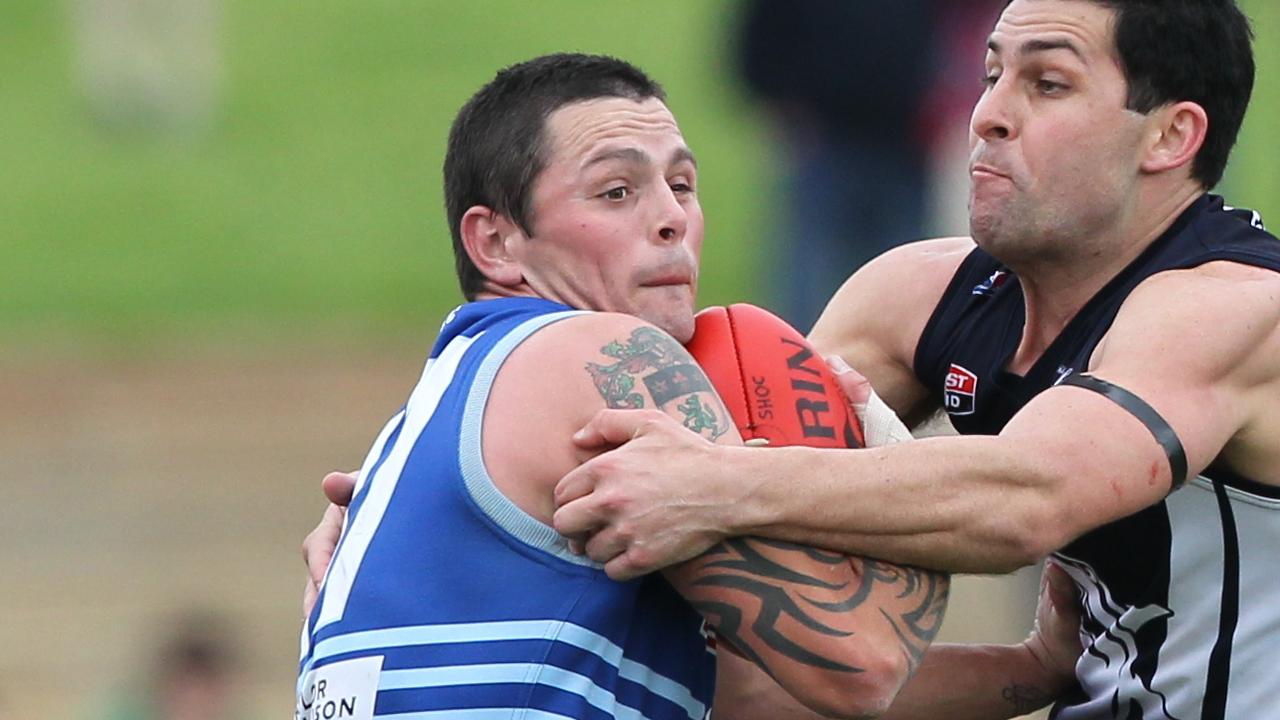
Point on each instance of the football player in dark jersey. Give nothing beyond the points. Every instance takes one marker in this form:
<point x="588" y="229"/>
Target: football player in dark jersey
<point x="1107" y="342"/>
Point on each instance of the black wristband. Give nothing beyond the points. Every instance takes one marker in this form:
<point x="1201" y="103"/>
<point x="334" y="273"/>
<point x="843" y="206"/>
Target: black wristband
<point x="1146" y="414"/>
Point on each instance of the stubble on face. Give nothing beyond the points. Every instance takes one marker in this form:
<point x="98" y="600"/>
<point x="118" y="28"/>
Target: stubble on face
<point x="596" y="253"/>
<point x="1066" y="170"/>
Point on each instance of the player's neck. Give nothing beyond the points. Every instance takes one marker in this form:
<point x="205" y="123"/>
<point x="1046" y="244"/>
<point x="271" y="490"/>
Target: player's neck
<point x="1053" y="294"/>
<point x="493" y="291"/>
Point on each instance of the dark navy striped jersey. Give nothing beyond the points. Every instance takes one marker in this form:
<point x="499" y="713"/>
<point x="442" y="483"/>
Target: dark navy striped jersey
<point x="445" y="600"/>
<point x="1181" y="600"/>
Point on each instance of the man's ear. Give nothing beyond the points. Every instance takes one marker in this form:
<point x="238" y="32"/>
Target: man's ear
<point x="1175" y="136"/>
<point x="487" y="236"/>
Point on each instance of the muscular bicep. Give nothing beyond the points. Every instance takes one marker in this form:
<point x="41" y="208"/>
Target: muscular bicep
<point x="1200" y="347"/>
<point x="1193" y="349"/>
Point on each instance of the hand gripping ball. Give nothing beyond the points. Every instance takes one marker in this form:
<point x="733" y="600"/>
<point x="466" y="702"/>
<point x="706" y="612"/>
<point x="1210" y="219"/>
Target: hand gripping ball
<point x="776" y="387"/>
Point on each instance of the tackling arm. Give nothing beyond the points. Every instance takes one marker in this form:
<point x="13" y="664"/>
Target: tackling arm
<point x="1196" y="345"/>
<point x="1199" y="346"/>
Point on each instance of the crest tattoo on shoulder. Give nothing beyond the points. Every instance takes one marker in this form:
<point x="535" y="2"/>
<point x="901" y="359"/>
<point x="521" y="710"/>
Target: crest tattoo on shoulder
<point x="668" y="373"/>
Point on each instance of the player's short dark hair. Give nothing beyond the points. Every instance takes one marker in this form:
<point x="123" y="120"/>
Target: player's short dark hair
<point x="497" y="146"/>
<point x="1196" y="50"/>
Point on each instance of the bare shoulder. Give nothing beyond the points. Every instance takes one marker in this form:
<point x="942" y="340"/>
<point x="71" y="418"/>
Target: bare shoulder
<point x="876" y="318"/>
<point x="902" y="284"/>
<point x="559" y="377"/>
<point x="1215" y="319"/>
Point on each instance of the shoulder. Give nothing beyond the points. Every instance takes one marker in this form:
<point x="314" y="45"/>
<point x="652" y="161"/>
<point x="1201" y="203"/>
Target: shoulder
<point x="576" y="341"/>
<point x="562" y="375"/>
<point x="877" y="317"/>
<point x="905" y="281"/>
<point x="1212" y="320"/>
<point x="565" y="357"/>
<point x="931" y="261"/>
<point x="551" y="384"/>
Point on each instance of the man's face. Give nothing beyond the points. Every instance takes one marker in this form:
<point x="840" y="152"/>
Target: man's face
<point x="616" y="224"/>
<point x="1054" y="153"/>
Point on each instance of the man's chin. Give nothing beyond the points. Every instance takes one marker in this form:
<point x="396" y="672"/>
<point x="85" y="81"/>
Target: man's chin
<point x="676" y="323"/>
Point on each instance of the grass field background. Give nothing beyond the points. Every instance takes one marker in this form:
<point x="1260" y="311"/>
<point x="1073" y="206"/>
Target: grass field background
<point x="312" y="203"/>
<point x="196" y="324"/>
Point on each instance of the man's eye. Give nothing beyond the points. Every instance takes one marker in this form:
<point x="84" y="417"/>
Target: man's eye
<point x="990" y="79"/>
<point x="681" y="187"/>
<point x="1049" y="87"/>
<point x="618" y="193"/>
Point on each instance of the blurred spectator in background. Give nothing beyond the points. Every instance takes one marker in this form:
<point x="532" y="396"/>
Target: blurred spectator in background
<point x="859" y="93"/>
<point x="192" y="676"/>
<point x="150" y="67"/>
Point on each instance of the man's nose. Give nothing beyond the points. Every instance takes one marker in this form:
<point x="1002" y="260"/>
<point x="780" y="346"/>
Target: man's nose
<point x="672" y="219"/>
<point x="995" y="114"/>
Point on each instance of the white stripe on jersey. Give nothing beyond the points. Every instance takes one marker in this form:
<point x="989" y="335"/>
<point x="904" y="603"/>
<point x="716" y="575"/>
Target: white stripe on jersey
<point x="513" y="673"/>
<point x="436" y="377"/>
<point x="477" y="714"/>
<point x="1255" y="653"/>
<point x="370" y="460"/>
<point x="1197" y="562"/>
<point x="553" y="630"/>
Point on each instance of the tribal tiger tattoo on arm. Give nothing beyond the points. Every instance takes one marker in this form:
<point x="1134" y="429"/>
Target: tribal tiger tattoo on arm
<point x="910" y="600"/>
<point x="667" y="371"/>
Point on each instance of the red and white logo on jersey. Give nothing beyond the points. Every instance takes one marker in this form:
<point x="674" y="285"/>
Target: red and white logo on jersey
<point x="962" y="387"/>
<point x="708" y="635"/>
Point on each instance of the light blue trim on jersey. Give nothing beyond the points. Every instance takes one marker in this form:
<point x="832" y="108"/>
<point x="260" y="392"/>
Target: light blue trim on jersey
<point x="551" y="630"/>
<point x="479" y="714"/>
<point x="511" y="673"/>
<point x="508" y="516"/>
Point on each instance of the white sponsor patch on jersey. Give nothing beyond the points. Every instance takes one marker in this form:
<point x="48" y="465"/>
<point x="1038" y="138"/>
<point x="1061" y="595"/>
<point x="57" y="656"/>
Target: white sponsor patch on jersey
<point x="342" y="691"/>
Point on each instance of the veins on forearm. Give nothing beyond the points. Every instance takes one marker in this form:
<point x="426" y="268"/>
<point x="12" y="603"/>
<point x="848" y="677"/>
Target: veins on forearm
<point x="783" y="593"/>
<point x="668" y="373"/>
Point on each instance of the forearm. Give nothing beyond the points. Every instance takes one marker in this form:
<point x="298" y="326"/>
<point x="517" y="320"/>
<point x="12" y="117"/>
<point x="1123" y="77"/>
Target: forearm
<point x="840" y="634"/>
<point x="982" y="682"/>
<point x="971" y="504"/>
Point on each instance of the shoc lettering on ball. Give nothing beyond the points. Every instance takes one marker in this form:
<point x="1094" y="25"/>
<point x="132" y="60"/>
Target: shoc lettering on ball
<point x="764" y="403"/>
<point x="775" y="386"/>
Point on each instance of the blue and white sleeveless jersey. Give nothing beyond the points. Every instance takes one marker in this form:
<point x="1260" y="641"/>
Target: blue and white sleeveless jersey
<point x="445" y="600"/>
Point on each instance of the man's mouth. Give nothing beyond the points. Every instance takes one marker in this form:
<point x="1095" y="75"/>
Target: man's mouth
<point x="984" y="169"/>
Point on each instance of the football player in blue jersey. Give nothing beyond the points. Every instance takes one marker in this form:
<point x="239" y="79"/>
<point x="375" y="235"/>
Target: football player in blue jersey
<point x="569" y="187"/>
<point x="1107" y="343"/>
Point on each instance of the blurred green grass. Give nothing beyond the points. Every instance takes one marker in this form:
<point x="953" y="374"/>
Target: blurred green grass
<point x="1253" y="178"/>
<point x="313" y="205"/>
<point x="311" y="208"/>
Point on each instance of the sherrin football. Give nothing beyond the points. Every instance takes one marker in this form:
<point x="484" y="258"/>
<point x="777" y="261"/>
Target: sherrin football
<point x="776" y="387"/>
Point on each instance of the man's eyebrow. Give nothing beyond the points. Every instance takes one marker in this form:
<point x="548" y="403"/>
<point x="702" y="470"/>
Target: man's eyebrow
<point x="1038" y="46"/>
<point x="628" y="155"/>
<point x="638" y="156"/>
<point x="683" y="154"/>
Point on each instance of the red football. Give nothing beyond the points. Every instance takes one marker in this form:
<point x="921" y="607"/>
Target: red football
<point x="771" y="379"/>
